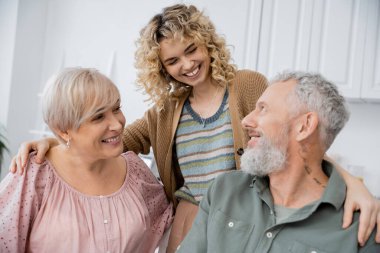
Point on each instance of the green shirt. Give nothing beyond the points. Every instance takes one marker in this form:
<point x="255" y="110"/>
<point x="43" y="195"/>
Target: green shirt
<point x="237" y="215"/>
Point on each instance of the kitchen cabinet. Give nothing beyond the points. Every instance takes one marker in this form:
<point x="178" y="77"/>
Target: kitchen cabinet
<point x="371" y="65"/>
<point x="338" y="38"/>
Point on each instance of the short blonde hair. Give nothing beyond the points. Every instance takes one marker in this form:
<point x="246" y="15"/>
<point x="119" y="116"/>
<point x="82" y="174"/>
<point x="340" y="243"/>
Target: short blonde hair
<point x="186" y="23"/>
<point x="74" y="95"/>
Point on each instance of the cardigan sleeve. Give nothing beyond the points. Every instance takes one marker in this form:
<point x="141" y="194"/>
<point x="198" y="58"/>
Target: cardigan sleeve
<point x="249" y="86"/>
<point x="136" y="136"/>
<point x="20" y="200"/>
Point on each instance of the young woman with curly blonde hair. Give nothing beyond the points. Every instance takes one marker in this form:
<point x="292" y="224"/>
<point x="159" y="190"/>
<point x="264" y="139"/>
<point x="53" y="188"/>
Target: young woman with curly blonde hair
<point x="200" y="98"/>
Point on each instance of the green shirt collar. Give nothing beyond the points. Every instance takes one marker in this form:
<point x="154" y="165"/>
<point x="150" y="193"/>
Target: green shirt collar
<point x="334" y="194"/>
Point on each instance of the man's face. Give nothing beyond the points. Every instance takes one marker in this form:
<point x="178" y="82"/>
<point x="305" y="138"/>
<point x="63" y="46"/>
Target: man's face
<point x="268" y="128"/>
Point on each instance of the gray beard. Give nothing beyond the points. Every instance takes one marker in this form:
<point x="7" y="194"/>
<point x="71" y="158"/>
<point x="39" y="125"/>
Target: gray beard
<point x="264" y="158"/>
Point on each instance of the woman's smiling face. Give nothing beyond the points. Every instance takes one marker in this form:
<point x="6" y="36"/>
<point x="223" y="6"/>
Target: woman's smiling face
<point x="185" y="61"/>
<point x="100" y="136"/>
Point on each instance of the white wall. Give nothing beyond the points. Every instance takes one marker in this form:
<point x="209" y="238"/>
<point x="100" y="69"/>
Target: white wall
<point x="8" y="21"/>
<point x="357" y="147"/>
<point x="38" y="37"/>
<point x="25" y="65"/>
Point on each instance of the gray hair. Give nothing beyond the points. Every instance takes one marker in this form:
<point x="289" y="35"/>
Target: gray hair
<point x="314" y="93"/>
<point x="74" y="95"/>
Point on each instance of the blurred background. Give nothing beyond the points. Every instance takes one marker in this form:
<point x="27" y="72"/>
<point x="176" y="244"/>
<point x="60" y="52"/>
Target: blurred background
<point x="338" y="38"/>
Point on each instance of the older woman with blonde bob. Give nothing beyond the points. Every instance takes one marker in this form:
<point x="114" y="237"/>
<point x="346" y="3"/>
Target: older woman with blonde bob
<point x="87" y="196"/>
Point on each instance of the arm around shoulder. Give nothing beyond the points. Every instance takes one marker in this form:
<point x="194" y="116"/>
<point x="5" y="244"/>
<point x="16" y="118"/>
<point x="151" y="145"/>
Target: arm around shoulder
<point x="136" y="136"/>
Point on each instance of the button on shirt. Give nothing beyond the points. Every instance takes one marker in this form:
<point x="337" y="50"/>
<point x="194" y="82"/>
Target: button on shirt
<point x="238" y="219"/>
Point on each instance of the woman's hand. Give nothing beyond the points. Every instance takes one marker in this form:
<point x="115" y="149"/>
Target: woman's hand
<point x="18" y="162"/>
<point x="359" y="198"/>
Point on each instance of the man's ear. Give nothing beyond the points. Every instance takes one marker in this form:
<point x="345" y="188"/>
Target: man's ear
<point x="306" y="125"/>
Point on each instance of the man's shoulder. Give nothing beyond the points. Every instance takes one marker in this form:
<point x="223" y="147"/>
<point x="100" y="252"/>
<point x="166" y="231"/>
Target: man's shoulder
<point x="237" y="177"/>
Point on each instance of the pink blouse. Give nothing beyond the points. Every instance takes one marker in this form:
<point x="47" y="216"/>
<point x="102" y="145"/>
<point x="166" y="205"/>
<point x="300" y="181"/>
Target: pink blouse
<point x="39" y="212"/>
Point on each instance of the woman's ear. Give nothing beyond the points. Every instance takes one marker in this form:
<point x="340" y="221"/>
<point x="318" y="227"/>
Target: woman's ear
<point x="306" y="125"/>
<point x="64" y="135"/>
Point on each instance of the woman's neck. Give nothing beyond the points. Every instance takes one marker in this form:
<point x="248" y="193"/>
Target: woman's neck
<point x="205" y="91"/>
<point x="101" y="177"/>
<point x="207" y="99"/>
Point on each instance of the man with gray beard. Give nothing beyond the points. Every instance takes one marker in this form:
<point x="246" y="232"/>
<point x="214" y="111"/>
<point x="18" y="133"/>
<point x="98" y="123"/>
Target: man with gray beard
<point x="270" y="156"/>
<point x="289" y="199"/>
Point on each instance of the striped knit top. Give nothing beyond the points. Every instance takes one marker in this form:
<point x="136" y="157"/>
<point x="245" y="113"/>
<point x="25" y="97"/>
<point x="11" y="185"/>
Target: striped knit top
<point x="204" y="149"/>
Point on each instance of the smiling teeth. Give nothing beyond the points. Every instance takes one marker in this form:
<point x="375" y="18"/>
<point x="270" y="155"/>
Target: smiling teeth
<point x="254" y="134"/>
<point x="193" y="73"/>
<point x="113" y="139"/>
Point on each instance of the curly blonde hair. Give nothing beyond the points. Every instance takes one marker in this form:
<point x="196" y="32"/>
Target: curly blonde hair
<point x="184" y="22"/>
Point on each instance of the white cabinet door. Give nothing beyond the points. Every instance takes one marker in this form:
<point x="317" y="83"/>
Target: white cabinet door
<point x="371" y="66"/>
<point x="284" y="36"/>
<point x="338" y="38"/>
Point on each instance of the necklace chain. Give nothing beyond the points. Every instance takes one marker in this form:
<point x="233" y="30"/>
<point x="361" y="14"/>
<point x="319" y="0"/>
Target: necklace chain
<point x="211" y="102"/>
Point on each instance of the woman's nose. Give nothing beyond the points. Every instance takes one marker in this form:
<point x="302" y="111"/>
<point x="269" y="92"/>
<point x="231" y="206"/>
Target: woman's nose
<point x="188" y="63"/>
<point x="115" y="123"/>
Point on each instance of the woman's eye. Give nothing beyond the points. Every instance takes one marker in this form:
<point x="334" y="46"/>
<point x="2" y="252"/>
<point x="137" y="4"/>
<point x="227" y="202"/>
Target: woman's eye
<point x="172" y="62"/>
<point x="97" y="117"/>
<point x="192" y="50"/>
<point x="117" y="109"/>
